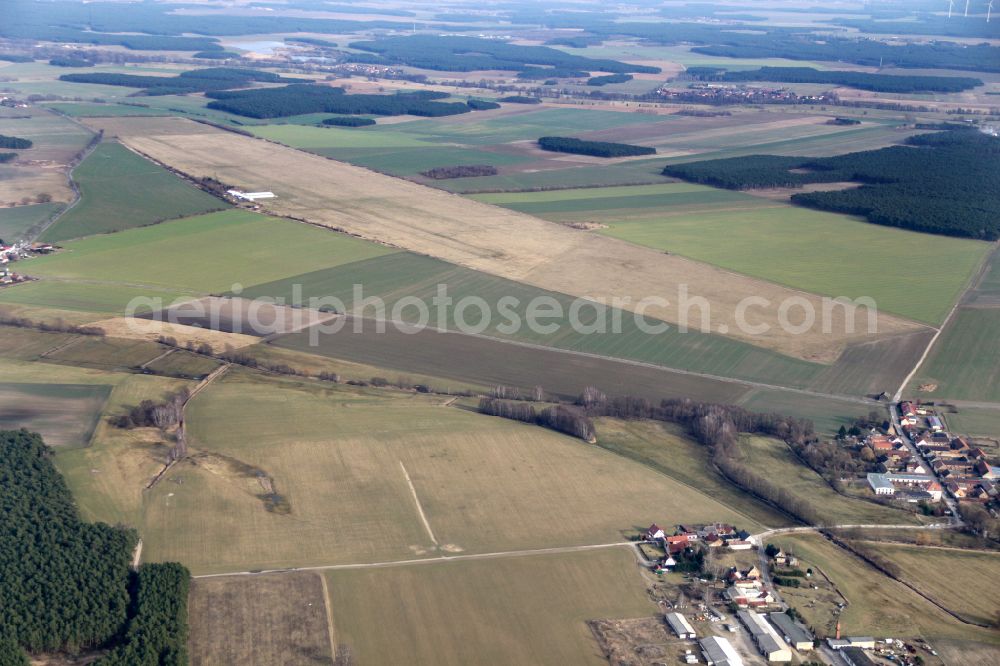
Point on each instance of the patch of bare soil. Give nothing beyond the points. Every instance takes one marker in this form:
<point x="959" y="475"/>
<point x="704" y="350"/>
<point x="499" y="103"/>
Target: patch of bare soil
<point x="785" y="193"/>
<point x="637" y="642"/>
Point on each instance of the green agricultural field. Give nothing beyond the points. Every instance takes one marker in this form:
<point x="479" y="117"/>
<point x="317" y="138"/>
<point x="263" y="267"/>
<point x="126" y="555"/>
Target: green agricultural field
<point x="638" y="172"/>
<point x="412" y="161"/>
<point x="965" y="362"/>
<point x="401" y="275"/>
<point x="773" y="459"/>
<point x="204" y="254"/>
<point x="499" y="611"/>
<point x="54" y="138"/>
<point x="120" y="190"/>
<point x="665" y="448"/>
<point x="95" y="110"/>
<point x="338" y="460"/>
<point x="821" y="252"/>
<point x="89" y="297"/>
<point x="982" y="422"/>
<point x="14" y="222"/>
<point x="876" y="604"/>
<point x="65" y="414"/>
<point x="623" y="202"/>
<point x="180" y="363"/>
<point x="962" y="581"/>
<point x="471" y="129"/>
<point x="27" y="344"/>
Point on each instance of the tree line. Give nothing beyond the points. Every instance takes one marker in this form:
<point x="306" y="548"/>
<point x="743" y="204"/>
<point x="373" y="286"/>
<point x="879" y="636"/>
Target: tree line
<point x="65" y="584"/>
<point x="565" y="144"/>
<point x="909" y="83"/>
<point x="348" y="121"/>
<point x="460" y="171"/>
<point x="14" y="142"/>
<point x="197" y="80"/>
<point x="561" y="418"/>
<point x="463" y="54"/>
<point x="299" y="99"/>
<point x="947" y="186"/>
<point x="608" y="78"/>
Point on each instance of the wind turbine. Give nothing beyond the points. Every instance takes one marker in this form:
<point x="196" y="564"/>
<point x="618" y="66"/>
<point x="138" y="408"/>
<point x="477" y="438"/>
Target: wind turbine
<point x="966" y="7"/>
<point x="951" y="3"/>
<point x="989" y="10"/>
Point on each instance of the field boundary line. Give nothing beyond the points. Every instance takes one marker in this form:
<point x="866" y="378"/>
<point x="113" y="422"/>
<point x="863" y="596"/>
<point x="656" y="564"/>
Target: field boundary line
<point x="420" y="509"/>
<point x="972" y="284"/>
<point x="642" y="364"/>
<point x="330" y="631"/>
<point x="556" y="550"/>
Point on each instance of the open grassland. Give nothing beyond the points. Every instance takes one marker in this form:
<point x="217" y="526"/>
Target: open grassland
<point x="965" y="361"/>
<point x="820" y="252"/>
<point x="42" y="168"/>
<point x="259" y="621"/>
<point x="14" y="222"/>
<point x="120" y="190"/>
<point x="204" y="254"/>
<point x="666" y="449"/>
<point x="338" y="462"/>
<point x="65" y="414"/>
<point x="84" y="296"/>
<point x="827" y="414"/>
<point x="525" y="610"/>
<point x="876" y="605"/>
<point x="503" y="243"/>
<point x="395" y="278"/>
<point x="962" y="581"/>
<point x="983" y="422"/>
<point x="773" y="459"/>
<point x="180" y="363"/>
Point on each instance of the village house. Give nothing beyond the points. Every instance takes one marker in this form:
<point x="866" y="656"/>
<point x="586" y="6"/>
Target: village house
<point x="748" y="594"/>
<point x="654" y="533"/>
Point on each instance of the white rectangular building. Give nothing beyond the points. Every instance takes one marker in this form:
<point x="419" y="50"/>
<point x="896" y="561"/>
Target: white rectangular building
<point x="680" y="625"/>
<point x="719" y="652"/>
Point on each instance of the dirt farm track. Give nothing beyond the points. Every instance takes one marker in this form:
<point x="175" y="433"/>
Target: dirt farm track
<point x="479" y="236"/>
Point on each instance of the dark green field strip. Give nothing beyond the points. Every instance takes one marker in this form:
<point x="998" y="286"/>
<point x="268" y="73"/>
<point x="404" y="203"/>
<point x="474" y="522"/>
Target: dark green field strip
<point x="65" y="414"/>
<point x="411" y="161"/>
<point x="480" y="360"/>
<point x="121" y="190"/>
<point x="622" y="173"/>
<point x="965" y="361"/>
<point x="392" y="277"/>
<point x="633" y="203"/>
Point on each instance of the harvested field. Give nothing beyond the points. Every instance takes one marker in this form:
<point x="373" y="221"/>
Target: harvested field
<point x="258" y="621"/>
<point x="132" y="328"/>
<point x="473" y="235"/>
<point x="65" y="414"/>
<point x="120" y="190"/>
<point x="520" y="610"/>
<point x="333" y="454"/>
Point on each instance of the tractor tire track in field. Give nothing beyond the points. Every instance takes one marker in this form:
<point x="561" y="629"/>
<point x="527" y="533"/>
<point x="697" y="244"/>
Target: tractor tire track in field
<point x="420" y="509"/>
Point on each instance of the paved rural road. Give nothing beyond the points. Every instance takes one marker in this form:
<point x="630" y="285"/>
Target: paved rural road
<point x="956" y="519"/>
